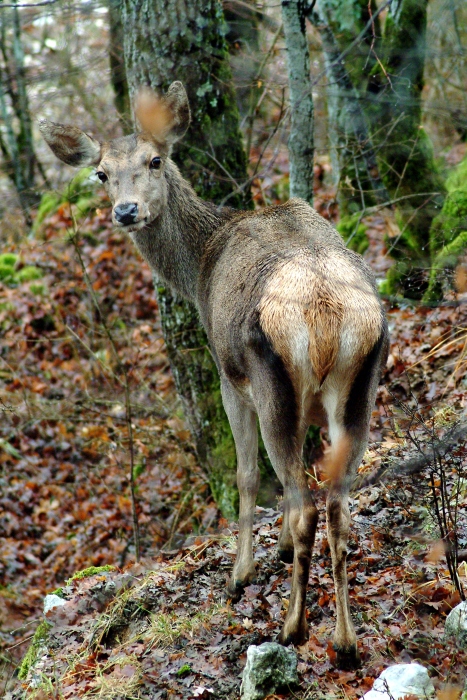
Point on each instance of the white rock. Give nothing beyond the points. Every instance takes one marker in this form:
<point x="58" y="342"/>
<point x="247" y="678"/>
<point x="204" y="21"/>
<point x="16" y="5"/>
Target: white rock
<point x="52" y="601"/>
<point x="269" y="667"/>
<point x="456" y="624"/>
<point x="401" y="680"/>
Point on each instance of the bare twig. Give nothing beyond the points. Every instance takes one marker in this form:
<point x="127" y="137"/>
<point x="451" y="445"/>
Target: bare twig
<point x="123" y="372"/>
<point x="35" y="4"/>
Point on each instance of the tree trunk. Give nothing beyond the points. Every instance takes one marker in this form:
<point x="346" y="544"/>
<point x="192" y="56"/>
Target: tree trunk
<point x="301" y="146"/>
<point x="405" y="151"/>
<point x="355" y="168"/>
<point x="117" y="66"/>
<point x="168" y="40"/>
<point x="17" y="145"/>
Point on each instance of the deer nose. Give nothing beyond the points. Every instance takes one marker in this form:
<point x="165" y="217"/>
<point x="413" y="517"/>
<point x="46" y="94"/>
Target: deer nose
<point x="126" y="213"/>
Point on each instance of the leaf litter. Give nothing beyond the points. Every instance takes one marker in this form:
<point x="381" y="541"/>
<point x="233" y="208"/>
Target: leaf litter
<point x="164" y="628"/>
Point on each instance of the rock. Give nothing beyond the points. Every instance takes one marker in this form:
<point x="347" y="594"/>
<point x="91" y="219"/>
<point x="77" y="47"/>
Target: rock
<point x="52" y="601"/>
<point x="270" y="667"/>
<point x="400" y="680"/>
<point x="456" y="624"/>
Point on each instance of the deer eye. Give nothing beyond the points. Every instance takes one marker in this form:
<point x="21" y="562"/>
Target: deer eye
<point x="155" y="164"/>
<point x="102" y="176"/>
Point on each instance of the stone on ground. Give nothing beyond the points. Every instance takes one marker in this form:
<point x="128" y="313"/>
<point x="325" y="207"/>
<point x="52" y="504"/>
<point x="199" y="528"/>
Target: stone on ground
<point x="400" y="680"/>
<point x="456" y="624"/>
<point x="269" y="668"/>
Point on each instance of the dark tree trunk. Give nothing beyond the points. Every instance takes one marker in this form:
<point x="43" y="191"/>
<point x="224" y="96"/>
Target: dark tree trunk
<point x="168" y="40"/>
<point x="16" y="145"/>
<point x="117" y="66"/>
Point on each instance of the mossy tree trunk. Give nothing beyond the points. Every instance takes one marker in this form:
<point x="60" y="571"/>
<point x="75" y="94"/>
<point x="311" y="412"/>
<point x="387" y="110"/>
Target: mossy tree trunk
<point x="382" y="76"/>
<point x="167" y="40"/>
<point x="448" y="235"/>
<point x="404" y="149"/>
<point x="355" y="167"/>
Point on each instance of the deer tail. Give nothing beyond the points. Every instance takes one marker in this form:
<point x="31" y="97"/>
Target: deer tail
<point x="324" y="320"/>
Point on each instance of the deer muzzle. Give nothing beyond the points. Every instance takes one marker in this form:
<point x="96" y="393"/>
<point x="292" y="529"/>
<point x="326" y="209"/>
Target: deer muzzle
<point x="126" y="214"/>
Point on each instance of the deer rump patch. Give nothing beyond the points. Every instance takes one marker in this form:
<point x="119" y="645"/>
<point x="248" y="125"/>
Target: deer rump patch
<point x="310" y="320"/>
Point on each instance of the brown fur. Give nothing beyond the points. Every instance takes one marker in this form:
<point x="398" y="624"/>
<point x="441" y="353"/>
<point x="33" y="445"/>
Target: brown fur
<point x="293" y="320"/>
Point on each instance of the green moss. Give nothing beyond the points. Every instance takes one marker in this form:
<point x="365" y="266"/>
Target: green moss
<point x="38" y="290"/>
<point x="29" y="273"/>
<point x="9" y="260"/>
<point x="6" y="274"/>
<point x="445" y="260"/>
<point x="38" y="641"/>
<point x="184" y="671"/>
<point x="90" y="571"/>
<point x="354" y="233"/>
<point x="451" y="220"/>
<point x="447" y="233"/>
<point x="457" y="179"/>
<point x="9" y="273"/>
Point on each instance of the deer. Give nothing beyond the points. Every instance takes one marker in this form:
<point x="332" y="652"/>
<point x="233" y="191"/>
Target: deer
<point x="294" y="323"/>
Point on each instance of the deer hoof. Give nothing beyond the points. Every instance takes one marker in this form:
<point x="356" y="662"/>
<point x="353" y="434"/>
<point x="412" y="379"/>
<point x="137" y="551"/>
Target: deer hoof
<point x="235" y="590"/>
<point x="236" y="586"/>
<point x="347" y="658"/>
<point x="295" y="637"/>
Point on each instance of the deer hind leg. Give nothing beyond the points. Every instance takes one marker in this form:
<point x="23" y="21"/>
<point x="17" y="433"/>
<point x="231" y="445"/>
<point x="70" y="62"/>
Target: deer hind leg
<point x="243" y="424"/>
<point x="338" y="522"/>
<point x="348" y="420"/>
<point x="284" y="449"/>
<point x="285" y="544"/>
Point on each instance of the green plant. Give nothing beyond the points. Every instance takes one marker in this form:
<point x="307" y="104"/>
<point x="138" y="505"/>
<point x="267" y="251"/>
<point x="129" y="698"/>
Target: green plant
<point x="354" y="233"/>
<point x="11" y="275"/>
<point x="81" y="192"/>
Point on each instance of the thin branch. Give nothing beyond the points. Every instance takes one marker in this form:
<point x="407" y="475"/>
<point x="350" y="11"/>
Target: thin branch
<point x="356" y="41"/>
<point x="36" y="4"/>
<point x="122" y="369"/>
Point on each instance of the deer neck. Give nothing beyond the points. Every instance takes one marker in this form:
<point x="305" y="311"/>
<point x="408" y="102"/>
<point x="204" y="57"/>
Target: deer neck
<point x="174" y="243"/>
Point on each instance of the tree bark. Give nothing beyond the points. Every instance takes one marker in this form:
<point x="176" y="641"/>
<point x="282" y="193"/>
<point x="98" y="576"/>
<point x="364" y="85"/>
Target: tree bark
<point x="117" y="66"/>
<point x="404" y="150"/>
<point x="301" y="144"/>
<point x="168" y="40"/>
<point x="355" y="167"/>
<point x="17" y="146"/>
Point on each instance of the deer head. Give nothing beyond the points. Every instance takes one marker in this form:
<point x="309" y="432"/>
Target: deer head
<point x="131" y="168"/>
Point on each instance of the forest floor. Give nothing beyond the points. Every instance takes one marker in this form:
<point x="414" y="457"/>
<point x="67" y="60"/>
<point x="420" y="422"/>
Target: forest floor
<point x="164" y="628"/>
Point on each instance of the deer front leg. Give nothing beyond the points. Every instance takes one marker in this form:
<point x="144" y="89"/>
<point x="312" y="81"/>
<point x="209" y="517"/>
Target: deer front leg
<point x="338" y="522"/>
<point x="243" y="424"/>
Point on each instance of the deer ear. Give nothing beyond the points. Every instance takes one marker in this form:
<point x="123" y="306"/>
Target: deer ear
<point x="70" y="144"/>
<point x="167" y="118"/>
<point x="176" y="100"/>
